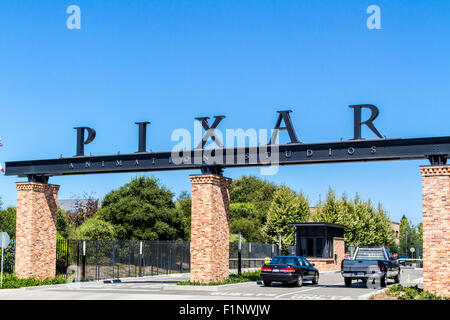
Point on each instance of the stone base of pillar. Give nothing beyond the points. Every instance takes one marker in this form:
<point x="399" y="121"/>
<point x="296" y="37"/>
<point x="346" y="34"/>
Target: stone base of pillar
<point x="210" y="228"/>
<point x="36" y="230"/>
<point x="436" y="229"/>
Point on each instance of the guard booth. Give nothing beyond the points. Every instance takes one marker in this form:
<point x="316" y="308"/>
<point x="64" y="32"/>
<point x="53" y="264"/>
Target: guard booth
<point x="321" y="243"/>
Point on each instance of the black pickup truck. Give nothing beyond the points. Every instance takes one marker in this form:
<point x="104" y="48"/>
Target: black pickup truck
<point x="370" y="263"/>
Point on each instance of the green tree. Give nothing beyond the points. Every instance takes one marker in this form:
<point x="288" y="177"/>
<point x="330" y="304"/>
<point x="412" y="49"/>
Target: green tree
<point x="365" y="225"/>
<point x="286" y="207"/>
<point x="95" y="229"/>
<point x="332" y="210"/>
<point x="420" y="233"/>
<point x="245" y="218"/>
<point x="85" y="208"/>
<point x="184" y="205"/>
<point x="8" y="221"/>
<point x="383" y="232"/>
<point x="234" y="237"/>
<point x="142" y="209"/>
<point x="62" y="226"/>
<point x="251" y="189"/>
<point x="410" y="235"/>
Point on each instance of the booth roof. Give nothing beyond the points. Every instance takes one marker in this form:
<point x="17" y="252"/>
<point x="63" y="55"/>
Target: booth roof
<point x="315" y="224"/>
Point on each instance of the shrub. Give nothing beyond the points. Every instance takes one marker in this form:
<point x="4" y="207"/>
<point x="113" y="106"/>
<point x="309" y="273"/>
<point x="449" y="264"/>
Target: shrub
<point x="95" y="229"/>
<point x="12" y="282"/>
<point x="412" y="293"/>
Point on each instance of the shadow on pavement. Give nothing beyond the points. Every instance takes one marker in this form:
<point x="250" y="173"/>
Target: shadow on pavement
<point x="144" y="282"/>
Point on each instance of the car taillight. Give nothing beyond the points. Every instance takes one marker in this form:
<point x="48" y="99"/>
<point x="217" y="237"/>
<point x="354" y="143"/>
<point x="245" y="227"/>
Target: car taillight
<point x="287" y="270"/>
<point x="380" y="265"/>
<point x="265" y="269"/>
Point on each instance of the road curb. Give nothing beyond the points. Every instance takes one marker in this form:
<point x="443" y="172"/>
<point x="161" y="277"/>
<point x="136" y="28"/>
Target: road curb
<point x="368" y="295"/>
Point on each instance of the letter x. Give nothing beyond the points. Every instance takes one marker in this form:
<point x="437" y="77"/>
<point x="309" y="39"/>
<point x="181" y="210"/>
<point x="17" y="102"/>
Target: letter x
<point x="210" y="131"/>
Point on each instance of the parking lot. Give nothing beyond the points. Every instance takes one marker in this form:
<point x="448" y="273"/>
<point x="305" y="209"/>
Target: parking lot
<point x="331" y="287"/>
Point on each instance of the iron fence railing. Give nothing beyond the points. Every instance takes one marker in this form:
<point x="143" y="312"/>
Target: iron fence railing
<point x="82" y="260"/>
<point x="108" y="259"/>
<point x="252" y="254"/>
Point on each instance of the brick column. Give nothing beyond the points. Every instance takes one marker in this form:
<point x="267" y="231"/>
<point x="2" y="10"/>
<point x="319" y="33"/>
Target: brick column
<point x="436" y="228"/>
<point x="36" y="230"/>
<point x="210" y="228"/>
<point x="339" y="249"/>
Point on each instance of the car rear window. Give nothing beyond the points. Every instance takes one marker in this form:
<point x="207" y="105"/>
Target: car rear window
<point x="284" y="260"/>
<point x="370" y="254"/>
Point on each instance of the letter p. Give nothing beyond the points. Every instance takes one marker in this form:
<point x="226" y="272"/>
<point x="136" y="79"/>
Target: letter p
<point x="80" y="139"/>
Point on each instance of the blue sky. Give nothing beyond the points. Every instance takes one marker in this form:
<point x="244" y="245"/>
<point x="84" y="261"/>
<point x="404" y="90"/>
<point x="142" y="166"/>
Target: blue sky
<point x="171" y="61"/>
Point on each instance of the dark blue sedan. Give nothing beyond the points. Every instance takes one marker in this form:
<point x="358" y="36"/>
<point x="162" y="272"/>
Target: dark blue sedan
<point x="290" y="269"/>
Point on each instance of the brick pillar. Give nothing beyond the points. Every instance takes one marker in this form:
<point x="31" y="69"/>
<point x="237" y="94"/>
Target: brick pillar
<point x="339" y="249"/>
<point x="210" y="228"/>
<point x="36" y="230"/>
<point x="436" y="228"/>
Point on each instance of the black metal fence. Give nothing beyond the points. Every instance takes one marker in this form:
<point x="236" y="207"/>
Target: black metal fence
<point x="83" y="260"/>
<point x="108" y="259"/>
<point x="252" y="254"/>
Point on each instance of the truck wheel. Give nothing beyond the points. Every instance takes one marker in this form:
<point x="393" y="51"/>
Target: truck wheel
<point x="299" y="282"/>
<point x="348" y="282"/>
<point x="315" y="280"/>
<point x="383" y="281"/>
<point x="267" y="283"/>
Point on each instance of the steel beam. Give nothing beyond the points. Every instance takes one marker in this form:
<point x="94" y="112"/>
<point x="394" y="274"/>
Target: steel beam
<point x="436" y="150"/>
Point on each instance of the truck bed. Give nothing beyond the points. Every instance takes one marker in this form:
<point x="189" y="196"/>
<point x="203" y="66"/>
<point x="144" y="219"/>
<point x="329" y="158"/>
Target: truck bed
<point x="358" y="265"/>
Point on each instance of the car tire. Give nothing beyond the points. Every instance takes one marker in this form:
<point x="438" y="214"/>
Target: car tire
<point x="348" y="282"/>
<point x="299" y="282"/>
<point x="315" y="279"/>
<point x="267" y="283"/>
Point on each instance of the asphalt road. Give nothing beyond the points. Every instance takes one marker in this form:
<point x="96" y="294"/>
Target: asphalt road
<point x="330" y="287"/>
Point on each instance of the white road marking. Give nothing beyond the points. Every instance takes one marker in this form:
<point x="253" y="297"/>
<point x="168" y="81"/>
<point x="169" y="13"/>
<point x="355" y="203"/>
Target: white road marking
<point x="315" y="288"/>
<point x="320" y="297"/>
